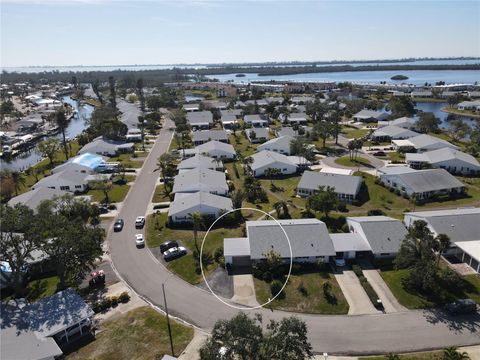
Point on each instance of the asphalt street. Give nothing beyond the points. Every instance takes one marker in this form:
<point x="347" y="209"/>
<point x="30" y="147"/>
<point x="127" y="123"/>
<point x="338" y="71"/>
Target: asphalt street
<point x="397" y="332"/>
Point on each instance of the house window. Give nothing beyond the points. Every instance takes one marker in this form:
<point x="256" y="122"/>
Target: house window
<point x="78" y="186"/>
<point x="65" y="188"/>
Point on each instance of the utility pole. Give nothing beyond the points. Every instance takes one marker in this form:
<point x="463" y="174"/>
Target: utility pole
<point x="168" y="319"/>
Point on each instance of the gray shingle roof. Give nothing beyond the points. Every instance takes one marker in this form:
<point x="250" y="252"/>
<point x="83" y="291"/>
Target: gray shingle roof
<point x="367" y="114"/>
<point x="384" y="234"/>
<point x="254" y="118"/>
<point x="215" y="145"/>
<point x="200" y="117"/>
<point x="262" y="132"/>
<point x="344" y="242"/>
<point x="282" y="141"/>
<point x="100" y="145"/>
<point x="394" y="132"/>
<point x="430" y="180"/>
<point x="196" y="201"/>
<point x="343" y="184"/>
<point x="236" y="247"/>
<point x="207" y="135"/>
<point x="444" y="154"/>
<point x="308" y="238"/>
<point x="265" y="158"/>
<point x="199" y="161"/>
<point x="33" y="198"/>
<point x="202" y="179"/>
<point x="424" y="140"/>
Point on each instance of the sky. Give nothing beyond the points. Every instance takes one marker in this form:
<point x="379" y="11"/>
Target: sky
<point x="128" y="32"/>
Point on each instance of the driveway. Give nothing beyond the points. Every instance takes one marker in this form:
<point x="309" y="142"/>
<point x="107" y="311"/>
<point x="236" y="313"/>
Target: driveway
<point x="362" y="334"/>
<point x="390" y="303"/>
<point x="356" y="296"/>
<point x="244" y="290"/>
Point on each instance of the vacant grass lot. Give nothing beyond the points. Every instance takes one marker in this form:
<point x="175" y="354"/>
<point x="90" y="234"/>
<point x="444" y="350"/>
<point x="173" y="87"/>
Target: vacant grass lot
<point x="311" y="300"/>
<point x="139" y="334"/>
<point x="117" y="194"/>
<point x="185" y="267"/>
<point x="346" y="161"/>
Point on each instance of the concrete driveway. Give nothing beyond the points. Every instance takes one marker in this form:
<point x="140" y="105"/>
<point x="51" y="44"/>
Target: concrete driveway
<point x="356" y="296"/>
<point x="390" y="303"/>
<point x="244" y="290"/>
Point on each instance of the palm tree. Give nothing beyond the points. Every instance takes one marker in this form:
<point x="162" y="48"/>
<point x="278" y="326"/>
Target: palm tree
<point x="18" y="179"/>
<point x="247" y="162"/>
<point x="237" y="198"/>
<point x="198" y="222"/>
<point x="442" y="243"/>
<point x="62" y="123"/>
<point x="281" y="207"/>
<point x="452" y="353"/>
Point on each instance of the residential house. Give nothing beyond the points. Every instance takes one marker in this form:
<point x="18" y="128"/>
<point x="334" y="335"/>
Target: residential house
<point x="301" y="100"/>
<point x="209" y="205"/>
<point x="423" y="184"/>
<point x="257" y="135"/>
<point x="85" y="163"/>
<point x="423" y="142"/>
<point x="106" y="147"/>
<point x="33" y="198"/>
<point x="256" y="120"/>
<point x="134" y="135"/>
<point x="259" y="102"/>
<point x="403" y="122"/>
<point x="366" y="115"/>
<point x="454" y="161"/>
<point x="280" y="145"/>
<point x="206" y="180"/>
<point x="265" y="159"/>
<point x="202" y="136"/>
<point x="200" y="119"/>
<point x="469" y="105"/>
<point x="290" y="131"/>
<point x="229" y="121"/>
<point x="238" y="113"/>
<point x="294" y="118"/>
<point x="421" y="94"/>
<point x="345" y="186"/>
<point x="217" y="150"/>
<point x="390" y="132"/>
<point x="199" y="161"/>
<point x="67" y="181"/>
<point x="191" y="107"/>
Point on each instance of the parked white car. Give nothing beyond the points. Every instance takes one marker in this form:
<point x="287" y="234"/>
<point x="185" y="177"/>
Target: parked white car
<point x="174" y="253"/>
<point x="139" y="222"/>
<point x="139" y="240"/>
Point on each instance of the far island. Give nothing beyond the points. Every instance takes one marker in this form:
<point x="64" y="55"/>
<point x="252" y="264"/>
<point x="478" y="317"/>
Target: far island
<point x="399" y="77"/>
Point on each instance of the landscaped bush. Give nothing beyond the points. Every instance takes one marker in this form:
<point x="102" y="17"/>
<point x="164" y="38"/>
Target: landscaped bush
<point x="342" y="207"/>
<point x="275" y="288"/>
<point x="357" y="270"/>
<point x="375" y="212"/>
<point x="114" y="301"/>
<point x="302" y="289"/>
<point x="372" y="295"/>
<point x="124" y="297"/>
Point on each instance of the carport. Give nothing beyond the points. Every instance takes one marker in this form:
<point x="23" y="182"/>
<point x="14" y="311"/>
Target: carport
<point x="470" y="253"/>
<point x="236" y="252"/>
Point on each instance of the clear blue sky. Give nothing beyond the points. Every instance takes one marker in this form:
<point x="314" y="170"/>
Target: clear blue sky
<point x="107" y="32"/>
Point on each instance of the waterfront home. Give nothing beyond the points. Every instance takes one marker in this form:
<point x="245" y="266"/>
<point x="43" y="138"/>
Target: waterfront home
<point x="85" y="163"/>
<point x="454" y="161"/>
<point x="200" y="119"/>
<point x="257" y="135"/>
<point x="209" y="205"/>
<point x="256" y="120"/>
<point x="345" y="186"/>
<point x="206" y="180"/>
<point x="107" y="147"/>
<point x="199" y="161"/>
<point x="367" y="116"/>
<point x="202" y="136"/>
<point x="392" y="132"/>
<point x="67" y="180"/>
<point x="469" y="105"/>
<point x="308" y="242"/>
<point x="265" y="159"/>
<point x="422" y="184"/>
<point x="403" y="122"/>
<point x="423" y="142"/>
<point x="280" y="145"/>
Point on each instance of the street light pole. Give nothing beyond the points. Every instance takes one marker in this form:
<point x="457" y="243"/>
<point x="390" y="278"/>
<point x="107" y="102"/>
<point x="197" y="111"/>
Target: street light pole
<point x="168" y="319"/>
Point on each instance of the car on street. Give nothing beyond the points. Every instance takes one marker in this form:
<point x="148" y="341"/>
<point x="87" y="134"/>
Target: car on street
<point x="174" y="253"/>
<point x="139" y="222"/>
<point x="461" y="306"/>
<point x="139" y="240"/>
<point x="379" y="153"/>
<point x="168" y="245"/>
<point x="118" y="226"/>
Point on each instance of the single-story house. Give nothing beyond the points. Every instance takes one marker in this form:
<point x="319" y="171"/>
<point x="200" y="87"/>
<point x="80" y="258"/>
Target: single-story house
<point x="259" y="102"/>
<point x="275" y="100"/>
<point x="85" y="163"/>
<point x="345" y="186"/>
<point x="424" y="142"/>
<point x="217" y="150"/>
<point x="134" y="134"/>
<point x="469" y="105"/>
<point x="390" y="132"/>
<point x="202" y="136"/>
<point x="308" y="238"/>
<point x="33" y="198"/>
<point x="294" y="118"/>
<point x="258" y="135"/>
<point x="199" y="161"/>
<point x="421" y="94"/>
<point x="403" y="122"/>
<point x="280" y="145"/>
<point x="215" y="104"/>
<point x="423" y="184"/>
<point x="67" y="180"/>
<point x="37" y="331"/>
<point x="200" y="119"/>
<point x="209" y="205"/>
<point x="474" y="94"/>
<point x="454" y="161"/>
<point x="191" y="107"/>
<point x="366" y="115"/>
<point x="206" y="180"/>
<point x="256" y="120"/>
<point x="105" y="147"/>
<point x="287" y="130"/>
<point x="265" y="159"/>
<point x="238" y="113"/>
<point x="301" y="100"/>
<point x="229" y="121"/>
<point x="350" y="246"/>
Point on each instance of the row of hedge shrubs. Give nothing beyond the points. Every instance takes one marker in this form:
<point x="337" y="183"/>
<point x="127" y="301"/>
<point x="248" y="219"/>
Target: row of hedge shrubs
<point x="372" y="295"/>
<point x="110" y="302"/>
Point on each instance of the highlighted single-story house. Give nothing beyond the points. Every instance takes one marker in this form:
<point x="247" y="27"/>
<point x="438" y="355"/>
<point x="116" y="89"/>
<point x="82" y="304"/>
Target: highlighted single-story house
<point x="265" y="159"/>
<point x="345" y="186"/>
<point x="280" y="145"/>
<point x="195" y="180"/>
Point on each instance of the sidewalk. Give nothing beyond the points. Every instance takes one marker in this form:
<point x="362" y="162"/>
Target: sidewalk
<point x="191" y="352"/>
<point x="115" y="290"/>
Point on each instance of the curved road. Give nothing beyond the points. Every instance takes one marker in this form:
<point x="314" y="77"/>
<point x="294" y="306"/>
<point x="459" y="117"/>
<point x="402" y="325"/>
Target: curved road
<point x="404" y="331"/>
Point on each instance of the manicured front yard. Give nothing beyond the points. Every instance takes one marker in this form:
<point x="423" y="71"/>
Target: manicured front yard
<point x="139" y="334"/>
<point x="128" y="160"/>
<point x="186" y="266"/>
<point x="311" y="300"/>
<point x="117" y="194"/>
<point x="346" y="161"/>
<point x="159" y="194"/>
<point x="354" y="133"/>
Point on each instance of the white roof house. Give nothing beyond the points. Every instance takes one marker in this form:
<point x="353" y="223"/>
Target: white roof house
<point x="207" y="204"/>
<point x="191" y="107"/>
<point x="469" y="105"/>
<point x="423" y="184"/>
<point x="199" y="161"/>
<point x="424" y="142"/>
<point x="217" y="149"/>
<point x="67" y="180"/>
<point x="280" y="145"/>
<point x="106" y="147"/>
<point x="205" y="180"/>
<point x="294" y="118"/>
<point x="33" y="198"/>
<point x="366" y="115"/>
<point x="265" y="159"/>
<point x="453" y="161"/>
<point x="403" y="122"/>
<point x="258" y="135"/>
<point x="393" y="132"/>
<point x="200" y="119"/>
<point x="256" y="120"/>
<point x="345" y="186"/>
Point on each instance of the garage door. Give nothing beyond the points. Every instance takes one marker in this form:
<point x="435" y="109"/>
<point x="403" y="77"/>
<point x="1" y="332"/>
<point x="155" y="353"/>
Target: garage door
<point x="241" y="261"/>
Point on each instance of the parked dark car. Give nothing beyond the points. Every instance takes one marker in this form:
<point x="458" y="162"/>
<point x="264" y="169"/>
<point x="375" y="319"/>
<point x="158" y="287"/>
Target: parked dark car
<point x="168" y="245"/>
<point x="102" y="209"/>
<point x="118" y="226"/>
<point x="112" y="207"/>
<point x="461" y="306"/>
<point x="379" y="153"/>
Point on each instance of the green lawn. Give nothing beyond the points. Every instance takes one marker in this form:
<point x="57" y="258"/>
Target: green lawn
<point x="117" y="194"/>
<point x="242" y="145"/>
<point x="461" y="112"/>
<point x="159" y="194"/>
<point x="346" y="161"/>
<point x="39" y="288"/>
<point x="128" y="161"/>
<point x="354" y="133"/>
<point x="310" y="301"/>
<point x="185" y="267"/>
<point x="431" y="355"/>
<point x="138" y="334"/>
